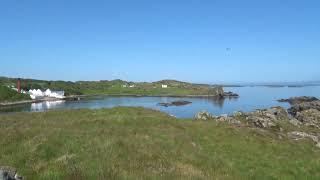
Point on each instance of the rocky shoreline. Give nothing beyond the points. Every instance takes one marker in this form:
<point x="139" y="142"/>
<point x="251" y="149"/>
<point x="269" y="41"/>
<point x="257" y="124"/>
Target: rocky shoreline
<point x="300" y="121"/>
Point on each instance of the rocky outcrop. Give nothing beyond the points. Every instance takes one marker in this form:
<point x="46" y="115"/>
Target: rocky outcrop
<point x="306" y="110"/>
<point x="175" y="103"/>
<point x="296" y="135"/>
<point x="9" y="173"/>
<point x="216" y="91"/>
<point x="228" y="119"/>
<point x="298" y="100"/>
<point x="299" y="107"/>
<point x="310" y="117"/>
<point x="203" y="115"/>
<point x="306" y="114"/>
<point x="267" y="118"/>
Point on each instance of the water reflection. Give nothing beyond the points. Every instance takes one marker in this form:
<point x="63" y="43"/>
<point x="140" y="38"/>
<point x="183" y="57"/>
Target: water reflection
<point x="219" y="101"/>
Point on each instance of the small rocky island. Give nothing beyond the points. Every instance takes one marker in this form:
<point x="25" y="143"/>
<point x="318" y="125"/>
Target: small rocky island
<point x="221" y="95"/>
<point x="300" y="121"/>
<point x="230" y="94"/>
<point x="175" y="103"/>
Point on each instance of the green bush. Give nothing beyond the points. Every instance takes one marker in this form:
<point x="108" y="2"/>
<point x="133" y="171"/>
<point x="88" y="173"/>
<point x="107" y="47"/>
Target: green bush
<point x="7" y="95"/>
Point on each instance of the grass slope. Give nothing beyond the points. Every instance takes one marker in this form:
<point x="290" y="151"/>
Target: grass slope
<point x="9" y="95"/>
<point x="137" y="143"/>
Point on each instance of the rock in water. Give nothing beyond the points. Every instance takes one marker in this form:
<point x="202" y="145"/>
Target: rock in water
<point x="298" y="100"/>
<point x="175" y="103"/>
<point x="180" y="103"/>
<point x="230" y="94"/>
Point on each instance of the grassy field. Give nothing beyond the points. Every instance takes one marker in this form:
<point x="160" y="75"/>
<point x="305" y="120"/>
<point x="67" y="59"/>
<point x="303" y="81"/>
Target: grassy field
<point x="137" y="143"/>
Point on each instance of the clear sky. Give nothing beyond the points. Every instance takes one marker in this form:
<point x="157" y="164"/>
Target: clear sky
<point x="147" y="40"/>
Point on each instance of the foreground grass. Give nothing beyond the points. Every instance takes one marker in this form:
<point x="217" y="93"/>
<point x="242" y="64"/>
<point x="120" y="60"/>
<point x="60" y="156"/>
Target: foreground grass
<point x="137" y="143"/>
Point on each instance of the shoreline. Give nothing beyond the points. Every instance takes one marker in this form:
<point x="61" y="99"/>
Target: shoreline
<point x="137" y="95"/>
<point x="2" y="104"/>
<point x="78" y="97"/>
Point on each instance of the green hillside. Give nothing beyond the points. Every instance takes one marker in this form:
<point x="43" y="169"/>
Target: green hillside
<point x="9" y="95"/>
<point x="119" y="87"/>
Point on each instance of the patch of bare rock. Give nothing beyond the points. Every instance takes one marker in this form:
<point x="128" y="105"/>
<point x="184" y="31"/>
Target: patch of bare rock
<point x="9" y="173"/>
<point x="303" y="118"/>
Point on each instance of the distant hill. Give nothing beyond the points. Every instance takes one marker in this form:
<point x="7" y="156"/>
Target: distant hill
<point x="119" y="87"/>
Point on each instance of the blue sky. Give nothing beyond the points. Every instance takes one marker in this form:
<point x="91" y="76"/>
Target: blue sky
<point x="147" y="40"/>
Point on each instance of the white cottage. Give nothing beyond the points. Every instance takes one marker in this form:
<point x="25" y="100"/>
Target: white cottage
<point x="36" y="94"/>
<point x="164" y="86"/>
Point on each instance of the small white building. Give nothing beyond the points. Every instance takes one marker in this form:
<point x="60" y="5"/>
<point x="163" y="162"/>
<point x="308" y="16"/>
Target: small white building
<point x="36" y="94"/>
<point x="124" y="86"/>
<point x="164" y="86"/>
<point x="132" y="86"/>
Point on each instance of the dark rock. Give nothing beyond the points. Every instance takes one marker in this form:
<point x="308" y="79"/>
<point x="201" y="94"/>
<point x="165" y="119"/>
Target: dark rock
<point x="174" y="103"/>
<point x="180" y="103"/>
<point x="298" y="100"/>
<point x="230" y="94"/>
<point x="304" y="106"/>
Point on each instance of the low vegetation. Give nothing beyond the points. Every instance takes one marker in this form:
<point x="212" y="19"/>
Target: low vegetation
<point x="8" y="95"/>
<point x="137" y="143"/>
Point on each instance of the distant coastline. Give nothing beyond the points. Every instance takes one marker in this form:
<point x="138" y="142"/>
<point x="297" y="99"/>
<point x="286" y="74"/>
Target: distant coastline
<point x="273" y="85"/>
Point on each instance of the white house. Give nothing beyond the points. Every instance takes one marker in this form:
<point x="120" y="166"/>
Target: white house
<point x="164" y="86"/>
<point x="132" y="86"/>
<point x="36" y="94"/>
<point x="124" y="85"/>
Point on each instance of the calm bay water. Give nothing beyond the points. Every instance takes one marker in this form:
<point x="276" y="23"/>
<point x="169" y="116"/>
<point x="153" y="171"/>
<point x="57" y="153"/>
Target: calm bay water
<point x="251" y="98"/>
